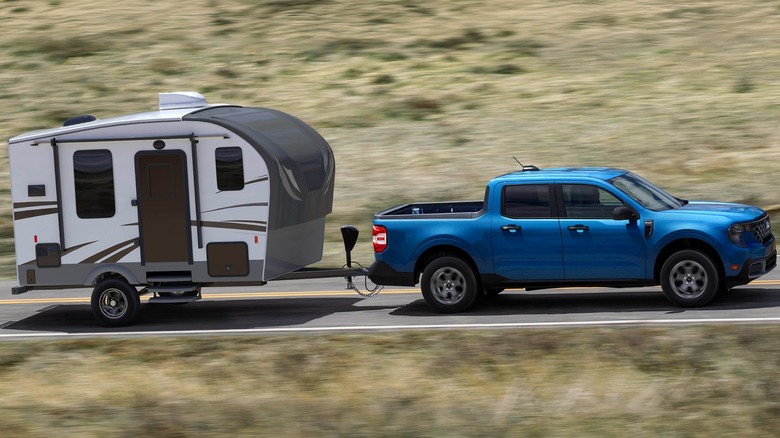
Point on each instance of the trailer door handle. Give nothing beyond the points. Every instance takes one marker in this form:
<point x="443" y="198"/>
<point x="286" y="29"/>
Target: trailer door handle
<point x="512" y="228"/>
<point x="579" y="228"/>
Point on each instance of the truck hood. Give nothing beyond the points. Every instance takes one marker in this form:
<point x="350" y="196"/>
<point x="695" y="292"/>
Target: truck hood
<point x="735" y="212"/>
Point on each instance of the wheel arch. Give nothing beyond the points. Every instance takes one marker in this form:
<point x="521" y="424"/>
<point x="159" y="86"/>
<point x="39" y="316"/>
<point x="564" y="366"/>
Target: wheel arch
<point x="442" y="250"/>
<point x="110" y="271"/>
<point x="687" y="243"/>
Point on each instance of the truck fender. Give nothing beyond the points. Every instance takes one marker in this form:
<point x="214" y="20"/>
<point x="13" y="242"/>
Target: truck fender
<point x="661" y="247"/>
<point x="453" y="242"/>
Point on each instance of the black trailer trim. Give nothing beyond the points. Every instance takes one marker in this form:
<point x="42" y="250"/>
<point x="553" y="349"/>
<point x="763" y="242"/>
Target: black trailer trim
<point x="196" y="188"/>
<point x="58" y="189"/>
<point x="103" y="140"/>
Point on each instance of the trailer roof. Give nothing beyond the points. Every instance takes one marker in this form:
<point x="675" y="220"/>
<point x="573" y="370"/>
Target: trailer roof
<point x="163" y="115"/>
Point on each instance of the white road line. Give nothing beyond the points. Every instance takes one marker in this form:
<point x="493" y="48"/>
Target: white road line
<point x="508" y="325"/>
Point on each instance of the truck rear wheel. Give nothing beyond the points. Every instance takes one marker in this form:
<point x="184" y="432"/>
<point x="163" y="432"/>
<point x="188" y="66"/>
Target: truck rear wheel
<point x="115" y="303"/>
<point x="449" y="285"/>
<point x="689" y="278"/>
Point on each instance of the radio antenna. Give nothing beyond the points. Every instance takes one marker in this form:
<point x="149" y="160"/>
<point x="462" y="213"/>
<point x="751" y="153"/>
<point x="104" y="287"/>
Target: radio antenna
<point x="523" y="167"/>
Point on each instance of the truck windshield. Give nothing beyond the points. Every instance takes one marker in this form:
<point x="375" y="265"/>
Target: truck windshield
<point x="645" y="193"/>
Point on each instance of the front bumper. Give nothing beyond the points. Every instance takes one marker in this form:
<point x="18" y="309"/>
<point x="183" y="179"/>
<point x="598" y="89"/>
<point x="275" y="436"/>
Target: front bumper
<point x="752" y="269"/>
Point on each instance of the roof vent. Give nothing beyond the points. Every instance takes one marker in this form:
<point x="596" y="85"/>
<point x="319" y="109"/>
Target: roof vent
<point x="183" y="99"/>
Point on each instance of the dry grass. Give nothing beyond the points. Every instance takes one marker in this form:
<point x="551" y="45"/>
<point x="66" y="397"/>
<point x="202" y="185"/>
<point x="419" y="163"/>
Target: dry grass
<point x="429" y="100"/>
<point x="687" y="382"/>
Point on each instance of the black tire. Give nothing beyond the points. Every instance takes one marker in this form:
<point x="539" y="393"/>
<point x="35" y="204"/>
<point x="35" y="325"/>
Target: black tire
<point x="689" y="278"/>
<point x="449" y="285"/>
<point x="115" y="303"/>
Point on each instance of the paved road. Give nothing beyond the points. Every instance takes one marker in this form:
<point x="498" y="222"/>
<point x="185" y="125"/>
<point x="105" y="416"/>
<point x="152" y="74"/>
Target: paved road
<point x="315" y="305"/>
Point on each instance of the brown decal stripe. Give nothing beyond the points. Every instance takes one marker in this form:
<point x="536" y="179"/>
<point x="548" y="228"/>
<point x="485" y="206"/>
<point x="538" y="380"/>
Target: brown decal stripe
<point x="33" y="204"/>
<point x="34" y="213"/>
<point x="121" y="254"/>
<point x="73" y="248"/>
<point x="234" y="226"/>
<point x="254" y="204"/>
<point x="105" y="252"/>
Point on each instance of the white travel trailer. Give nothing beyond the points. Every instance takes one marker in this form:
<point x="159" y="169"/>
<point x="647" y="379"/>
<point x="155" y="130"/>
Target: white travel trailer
<point x="171" y="200"/>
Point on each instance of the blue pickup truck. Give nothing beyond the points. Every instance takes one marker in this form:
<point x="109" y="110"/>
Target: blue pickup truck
<point x="558" y="227"/>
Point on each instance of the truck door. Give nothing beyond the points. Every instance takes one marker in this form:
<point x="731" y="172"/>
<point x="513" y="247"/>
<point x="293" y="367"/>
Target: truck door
<point x="595" y="246"/>
<point x="525" y="235"/>
<point x="163" y="206"/>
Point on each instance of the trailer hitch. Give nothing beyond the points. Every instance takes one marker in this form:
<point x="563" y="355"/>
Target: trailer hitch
<point x="349" y="234"/>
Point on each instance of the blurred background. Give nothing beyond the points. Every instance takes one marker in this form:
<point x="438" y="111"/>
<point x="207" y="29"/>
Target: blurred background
<point x="427" y="100"/>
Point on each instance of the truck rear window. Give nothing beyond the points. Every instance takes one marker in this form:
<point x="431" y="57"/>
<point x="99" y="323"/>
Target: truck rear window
<point x="526" y="201"/>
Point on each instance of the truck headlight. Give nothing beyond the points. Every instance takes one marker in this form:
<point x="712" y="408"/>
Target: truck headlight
<point x="737" y="233"/>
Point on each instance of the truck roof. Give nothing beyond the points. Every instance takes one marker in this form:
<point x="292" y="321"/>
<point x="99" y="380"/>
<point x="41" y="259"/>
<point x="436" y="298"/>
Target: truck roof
<point x="563" y="173"/>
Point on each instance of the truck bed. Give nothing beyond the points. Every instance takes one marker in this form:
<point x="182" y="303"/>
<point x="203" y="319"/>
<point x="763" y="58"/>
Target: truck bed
<point x="435" y="210"/>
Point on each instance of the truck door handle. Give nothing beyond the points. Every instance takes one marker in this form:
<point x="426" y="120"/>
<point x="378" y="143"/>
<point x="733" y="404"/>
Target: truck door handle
<point x="579" y="228"/>
<point x="512" y="228"/>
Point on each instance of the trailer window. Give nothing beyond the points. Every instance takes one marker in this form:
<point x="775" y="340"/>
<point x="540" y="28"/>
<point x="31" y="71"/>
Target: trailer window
<point x="94" y="183"/>
<point x="230" y="168"/>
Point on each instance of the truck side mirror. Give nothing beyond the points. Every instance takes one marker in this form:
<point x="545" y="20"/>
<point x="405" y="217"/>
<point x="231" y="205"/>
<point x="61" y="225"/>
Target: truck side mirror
<point x="623" y="213"/>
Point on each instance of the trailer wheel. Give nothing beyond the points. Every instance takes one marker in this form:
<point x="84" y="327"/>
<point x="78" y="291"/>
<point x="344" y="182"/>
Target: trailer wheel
<point x="689" y="278"/>
<point x="449" y="285"/>
<point x="115" y="303"/>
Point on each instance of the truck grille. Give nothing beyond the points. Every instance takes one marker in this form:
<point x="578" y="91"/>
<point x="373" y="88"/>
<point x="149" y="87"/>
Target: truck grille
<point x="762" y="229"/>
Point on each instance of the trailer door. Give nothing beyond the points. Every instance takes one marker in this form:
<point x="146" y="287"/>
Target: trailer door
<point x="163" y="207"/>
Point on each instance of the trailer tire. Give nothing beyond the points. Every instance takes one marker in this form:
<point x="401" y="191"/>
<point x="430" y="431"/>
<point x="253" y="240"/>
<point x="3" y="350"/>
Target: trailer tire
<point x="449" y="285"/>
<point x="115" y="303"/>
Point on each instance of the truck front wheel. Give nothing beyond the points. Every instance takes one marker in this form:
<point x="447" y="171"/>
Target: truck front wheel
<point x="449" y="285"/>
<point x="689" y="278"/>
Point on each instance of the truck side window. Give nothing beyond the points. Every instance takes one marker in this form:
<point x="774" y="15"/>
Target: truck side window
<point x="230" y="168"/>
<point x="588" y="202"/>
<point x="93" y="172"/>
<point x="526" y="201"/>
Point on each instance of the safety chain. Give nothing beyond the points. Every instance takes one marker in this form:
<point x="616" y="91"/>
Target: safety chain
<point x="370" y="292"/>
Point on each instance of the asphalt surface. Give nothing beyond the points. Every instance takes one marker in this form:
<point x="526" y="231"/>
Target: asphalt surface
<point x="325" y="305"/>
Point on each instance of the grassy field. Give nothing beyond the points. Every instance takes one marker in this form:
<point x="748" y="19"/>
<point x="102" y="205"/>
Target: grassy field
<point x="428" y="100"/>
<point x="640" y="382"/>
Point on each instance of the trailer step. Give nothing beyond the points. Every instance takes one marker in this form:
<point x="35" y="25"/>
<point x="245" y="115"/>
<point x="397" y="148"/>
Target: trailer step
<point x="174" y="299"/>
<point x="158" y="278"/>
<point x="173" y="288"/>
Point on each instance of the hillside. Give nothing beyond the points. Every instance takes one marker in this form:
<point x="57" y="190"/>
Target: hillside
<point x="427" y="100"/>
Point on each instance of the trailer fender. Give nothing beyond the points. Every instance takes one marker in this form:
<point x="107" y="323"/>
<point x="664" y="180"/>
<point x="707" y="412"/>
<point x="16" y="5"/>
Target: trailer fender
<point x="93" y="276"/>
